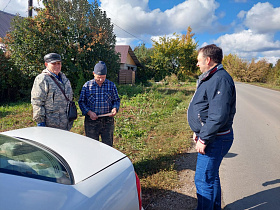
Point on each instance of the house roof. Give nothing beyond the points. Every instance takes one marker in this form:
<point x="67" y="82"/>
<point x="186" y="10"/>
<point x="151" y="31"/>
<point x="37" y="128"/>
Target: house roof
<point x="5" y="23"/>
<point x="124" y="50"/>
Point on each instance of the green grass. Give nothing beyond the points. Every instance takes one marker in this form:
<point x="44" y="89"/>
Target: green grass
<point x="16" y="115"/>
<point x="151" y="129"/>
<point x="266" y="85"/>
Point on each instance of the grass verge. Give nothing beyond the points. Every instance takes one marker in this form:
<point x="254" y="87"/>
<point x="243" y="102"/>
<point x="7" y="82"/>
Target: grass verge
<point x="266" y="85"/>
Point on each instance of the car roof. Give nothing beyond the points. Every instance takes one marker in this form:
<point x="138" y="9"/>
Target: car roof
<point x="84" y="155"/>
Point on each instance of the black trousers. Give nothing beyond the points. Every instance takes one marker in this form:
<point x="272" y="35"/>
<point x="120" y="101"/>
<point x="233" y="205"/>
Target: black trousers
<point x="103" y="126"/>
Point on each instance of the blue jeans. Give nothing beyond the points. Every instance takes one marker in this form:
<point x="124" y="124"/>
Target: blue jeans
<point x="207" y="179"/>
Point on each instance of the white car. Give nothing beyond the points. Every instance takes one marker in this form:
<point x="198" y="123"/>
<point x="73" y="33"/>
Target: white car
<point x="46" y="168"/>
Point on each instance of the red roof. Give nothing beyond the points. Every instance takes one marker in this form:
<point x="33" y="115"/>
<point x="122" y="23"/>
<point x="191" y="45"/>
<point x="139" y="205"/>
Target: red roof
<point x="124" y="50"/>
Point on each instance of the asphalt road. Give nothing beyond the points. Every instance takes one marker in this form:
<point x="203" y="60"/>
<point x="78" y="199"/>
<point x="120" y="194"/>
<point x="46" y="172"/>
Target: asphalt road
<point x="250" y="172"/>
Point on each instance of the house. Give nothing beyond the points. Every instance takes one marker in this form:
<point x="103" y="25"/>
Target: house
<point x="129" y="64"/>
<point x="5" y="24"/>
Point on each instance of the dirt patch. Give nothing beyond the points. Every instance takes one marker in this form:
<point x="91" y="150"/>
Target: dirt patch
<point x="183" y="197"/>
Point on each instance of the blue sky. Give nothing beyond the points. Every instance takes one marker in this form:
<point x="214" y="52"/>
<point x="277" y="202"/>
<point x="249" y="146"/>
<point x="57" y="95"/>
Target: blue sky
<point x="248" y="28"/>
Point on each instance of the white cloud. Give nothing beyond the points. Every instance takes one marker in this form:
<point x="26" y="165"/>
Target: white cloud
<point x="263" y="18"/>
<point x="272" y="56"/>
<point x="242" y="1"/>
<point x="272" y="59"/>
<point x="247" y="44"/>
<point x="124" y="41"/>
<point x="17" y="6"/>
<point x="254" y="38"/>
<point x="135" y="17"/>
<point x="241" y="14"/>
<point x="247" y="41"/>
<point x="170" y="36"/>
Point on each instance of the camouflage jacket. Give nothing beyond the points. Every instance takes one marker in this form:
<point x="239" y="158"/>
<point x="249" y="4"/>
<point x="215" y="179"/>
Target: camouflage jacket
<point x="49" y="104"/>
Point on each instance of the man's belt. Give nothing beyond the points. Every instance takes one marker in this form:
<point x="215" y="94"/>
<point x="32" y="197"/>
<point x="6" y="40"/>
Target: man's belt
<point x="223" y="133"/>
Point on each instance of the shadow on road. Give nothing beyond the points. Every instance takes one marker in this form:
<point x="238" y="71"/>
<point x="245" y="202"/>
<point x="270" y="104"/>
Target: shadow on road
<point x="271" y="182"/>
<point x="265" y="200"/>
<point x="230" y="155"/>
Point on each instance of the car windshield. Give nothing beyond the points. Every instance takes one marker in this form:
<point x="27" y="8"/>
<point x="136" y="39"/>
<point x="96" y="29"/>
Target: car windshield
<point x="22" y="158"/>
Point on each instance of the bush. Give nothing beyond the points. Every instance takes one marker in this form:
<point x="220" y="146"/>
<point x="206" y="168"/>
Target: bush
<point x="13" y="85"/>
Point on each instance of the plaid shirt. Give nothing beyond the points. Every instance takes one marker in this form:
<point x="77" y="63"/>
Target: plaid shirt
<point x="100" y="100"/>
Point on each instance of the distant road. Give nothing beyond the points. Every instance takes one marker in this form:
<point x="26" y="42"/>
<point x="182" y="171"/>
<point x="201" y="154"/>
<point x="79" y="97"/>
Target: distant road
<point x="250" y="173"/>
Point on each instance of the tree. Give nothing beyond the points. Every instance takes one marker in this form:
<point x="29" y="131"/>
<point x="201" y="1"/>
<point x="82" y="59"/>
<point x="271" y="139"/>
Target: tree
<point x="236" y="67"/>
<point x="258" y="71"/>
<point x="276" y="73"/>
<point x="175" y="55"/>
<point x="11" y="85"/>
<point x="165" y="56"/>
<point x="79" y="31"/>
<point x="244" y="71"/>
<point x="146" y="71"/>
<point x="273" y="76"/>
<point x="187" y="56"/>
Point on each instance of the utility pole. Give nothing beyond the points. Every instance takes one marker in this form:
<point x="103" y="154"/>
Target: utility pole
<point x="30" y="5"/>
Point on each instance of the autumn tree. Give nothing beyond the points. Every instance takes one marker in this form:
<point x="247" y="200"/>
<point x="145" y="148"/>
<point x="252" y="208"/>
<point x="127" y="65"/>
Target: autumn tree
<point x="175" y="55"/>
<point x="165" y="58"/>
<point x="258" y="71"/>
<point x="243" y="71"/>
<point x="235" y="66"/>
<point x="79" y="31"/>
<point x="187" y="56"/>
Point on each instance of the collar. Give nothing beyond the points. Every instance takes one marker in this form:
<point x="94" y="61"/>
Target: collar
<point x="210" y="72"/>
<point x="57" y="76"/>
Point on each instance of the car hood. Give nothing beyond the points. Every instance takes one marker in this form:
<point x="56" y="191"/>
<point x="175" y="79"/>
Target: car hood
<point x="84" y="155"/>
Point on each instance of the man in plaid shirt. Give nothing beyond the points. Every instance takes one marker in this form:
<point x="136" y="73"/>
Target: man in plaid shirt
<point x="99" y="102"/>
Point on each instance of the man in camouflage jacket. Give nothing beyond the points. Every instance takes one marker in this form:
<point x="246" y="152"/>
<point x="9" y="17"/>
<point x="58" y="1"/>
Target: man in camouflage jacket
<point x="49" y="104"/>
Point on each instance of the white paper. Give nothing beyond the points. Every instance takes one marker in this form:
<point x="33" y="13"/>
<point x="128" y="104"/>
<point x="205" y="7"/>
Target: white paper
<point x="105" y="115"/>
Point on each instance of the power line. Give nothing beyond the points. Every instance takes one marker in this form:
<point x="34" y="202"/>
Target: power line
<point x="124" y="29"/>
<point x="128" y="32"/>
<point x="7" y="5"/>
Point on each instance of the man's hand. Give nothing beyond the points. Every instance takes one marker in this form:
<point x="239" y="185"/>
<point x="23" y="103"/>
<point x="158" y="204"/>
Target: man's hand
<point x="114" y="112"/>
<point x="200" y="147"/>
<point x="92" y="115"/>
<point x="42" y="124"/>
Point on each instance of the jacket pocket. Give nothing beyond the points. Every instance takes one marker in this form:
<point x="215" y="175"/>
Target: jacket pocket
<point x="53" y="119"/>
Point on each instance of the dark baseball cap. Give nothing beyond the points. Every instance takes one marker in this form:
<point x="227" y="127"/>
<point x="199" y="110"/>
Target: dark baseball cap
<point x="52" y="58"/>
<point x="100" y="68"/>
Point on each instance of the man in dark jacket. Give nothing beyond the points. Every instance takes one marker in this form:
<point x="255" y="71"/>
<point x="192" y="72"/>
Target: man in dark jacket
<point x="210" y="116"/>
